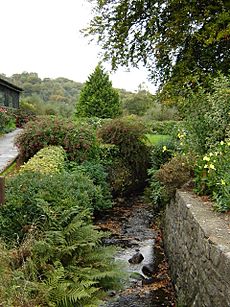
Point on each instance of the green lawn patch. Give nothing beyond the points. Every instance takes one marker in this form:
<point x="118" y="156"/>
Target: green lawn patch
<point x="156" y="138"/>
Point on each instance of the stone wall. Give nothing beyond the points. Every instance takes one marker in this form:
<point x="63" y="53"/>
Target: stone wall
<point x="197" y="242"/>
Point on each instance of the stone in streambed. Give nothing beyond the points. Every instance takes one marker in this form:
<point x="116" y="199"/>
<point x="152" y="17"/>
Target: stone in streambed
<point x="148" y="281"/>
<point x="136" y="258"/>
<point x="148" y="269"/>
<point x="111" y="293"/>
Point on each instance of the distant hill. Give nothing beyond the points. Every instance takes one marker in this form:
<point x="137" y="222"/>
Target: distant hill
<point x="48" y="91"/>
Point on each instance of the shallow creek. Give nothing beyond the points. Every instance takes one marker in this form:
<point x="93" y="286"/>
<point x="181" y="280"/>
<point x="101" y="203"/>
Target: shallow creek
<point x="131" y="223"/>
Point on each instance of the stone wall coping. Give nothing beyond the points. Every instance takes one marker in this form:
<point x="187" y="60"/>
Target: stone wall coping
<point x="216" y="229"/>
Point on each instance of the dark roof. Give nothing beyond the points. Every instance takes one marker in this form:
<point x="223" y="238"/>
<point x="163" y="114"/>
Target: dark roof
<point x="10" y="85"/>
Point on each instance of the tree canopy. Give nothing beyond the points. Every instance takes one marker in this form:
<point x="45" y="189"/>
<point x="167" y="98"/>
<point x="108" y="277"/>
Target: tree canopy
<point x="138" y="103"/>
<point x="174" y="39"/>
<point x="98" y="98"/>
<point x="46" y="96"/>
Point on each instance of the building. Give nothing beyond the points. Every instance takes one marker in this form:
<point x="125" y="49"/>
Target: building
<point x="9" y="94"/>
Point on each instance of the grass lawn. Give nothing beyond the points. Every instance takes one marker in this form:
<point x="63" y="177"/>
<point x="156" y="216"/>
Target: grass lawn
<point x="10" y="169"/>
<point x="156" y="138"/>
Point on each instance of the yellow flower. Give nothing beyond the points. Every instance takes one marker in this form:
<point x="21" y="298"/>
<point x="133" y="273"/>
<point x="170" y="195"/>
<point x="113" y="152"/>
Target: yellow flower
<point x="223" y="182"/>
<point x="181" y="135"/>
<point x="164" y="148"/>
<point x="206" y="166"/>
<point x="222" y="143"/>
<point x="211" y="166"/>
<point x="206" y="158"/>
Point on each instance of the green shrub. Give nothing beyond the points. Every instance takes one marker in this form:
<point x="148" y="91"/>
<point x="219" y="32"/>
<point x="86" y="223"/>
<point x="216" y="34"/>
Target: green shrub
<point x="207" y="119"/>
<point x="207" y="126"/>
<point x="79" y="141"/>
<point x="161" y="112"/>
<point x="212" y="175"/>
<point x="121" y="178"/>
<point x="107" y="153"/>
<point x="128" y="136"/>
<point x="48" y="160"/>
<point x="97" y="173"/>
<point x="120" y="175"/>
<point x="161" y="153"/>
<point x="29" y="193"/>
<point x="132" y="153"/>
<point x="13" y="286"/>
<point x="7" y="120"/>
<point x="164" y="127"/>
<point x="94" y="122"/>
<point x="156" y="191"/>
<point x="175" y="173"/>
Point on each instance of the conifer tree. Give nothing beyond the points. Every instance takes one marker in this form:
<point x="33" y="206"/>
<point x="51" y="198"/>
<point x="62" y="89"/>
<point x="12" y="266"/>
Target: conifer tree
<point x="98" y="98"/>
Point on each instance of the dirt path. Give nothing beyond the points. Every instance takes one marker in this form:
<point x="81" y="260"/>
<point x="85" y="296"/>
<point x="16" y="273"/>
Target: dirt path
<point x="133" y="230"/>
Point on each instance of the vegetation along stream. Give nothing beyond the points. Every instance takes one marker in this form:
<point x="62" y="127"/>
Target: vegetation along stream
<point x="132" y="227"/>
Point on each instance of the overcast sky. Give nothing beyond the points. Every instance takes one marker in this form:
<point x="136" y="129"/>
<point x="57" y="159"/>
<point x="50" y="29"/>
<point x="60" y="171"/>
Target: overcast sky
<point x="43" y="36"/>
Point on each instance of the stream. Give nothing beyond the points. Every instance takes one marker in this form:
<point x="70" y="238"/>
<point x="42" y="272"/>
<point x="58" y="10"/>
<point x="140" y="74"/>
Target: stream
<point x="132" y="228"/>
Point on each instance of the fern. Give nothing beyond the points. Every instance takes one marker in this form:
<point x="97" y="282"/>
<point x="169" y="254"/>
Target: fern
<point x="61" y="261"/>
<point x="71" y="265"/>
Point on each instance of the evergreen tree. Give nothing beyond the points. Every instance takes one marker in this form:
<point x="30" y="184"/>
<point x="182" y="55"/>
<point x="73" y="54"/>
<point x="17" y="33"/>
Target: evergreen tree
<point x="98" y="97"/>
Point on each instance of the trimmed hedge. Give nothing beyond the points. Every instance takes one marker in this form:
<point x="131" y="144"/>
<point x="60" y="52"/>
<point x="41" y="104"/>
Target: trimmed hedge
<point x="48" y="160"/>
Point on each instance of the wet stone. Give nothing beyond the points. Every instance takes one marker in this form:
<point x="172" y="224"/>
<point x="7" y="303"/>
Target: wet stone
<point x="148" y="269"/>
<point x="136" y="258"/>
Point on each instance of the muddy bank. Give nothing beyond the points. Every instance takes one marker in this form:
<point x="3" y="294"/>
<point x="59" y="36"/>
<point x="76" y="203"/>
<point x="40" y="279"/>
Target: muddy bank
<point x="131" y="223"/>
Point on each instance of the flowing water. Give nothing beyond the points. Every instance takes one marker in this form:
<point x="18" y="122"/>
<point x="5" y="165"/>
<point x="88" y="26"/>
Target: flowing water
<point x="131" y="223"/>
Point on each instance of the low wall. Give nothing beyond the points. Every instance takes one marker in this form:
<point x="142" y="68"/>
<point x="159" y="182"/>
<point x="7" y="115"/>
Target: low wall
<point x="197" y="243"/>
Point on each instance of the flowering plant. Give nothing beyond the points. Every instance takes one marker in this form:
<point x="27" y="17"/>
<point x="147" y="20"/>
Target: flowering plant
<point x="212" y="175"/>
<point x="3" y="110"/>
<point x="7" y="121"/>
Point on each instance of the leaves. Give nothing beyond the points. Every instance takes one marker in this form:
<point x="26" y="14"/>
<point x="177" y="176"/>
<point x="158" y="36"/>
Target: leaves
<point x="173" y="38"/>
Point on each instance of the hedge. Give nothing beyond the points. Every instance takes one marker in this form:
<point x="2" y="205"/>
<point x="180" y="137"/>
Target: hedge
<point x="48" y="160"/>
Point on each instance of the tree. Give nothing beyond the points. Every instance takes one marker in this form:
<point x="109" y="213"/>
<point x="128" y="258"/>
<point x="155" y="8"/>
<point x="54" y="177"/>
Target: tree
<point x="98" y="97"/>
<point x="175" y="39"/>
<point x="138" y="103"/>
